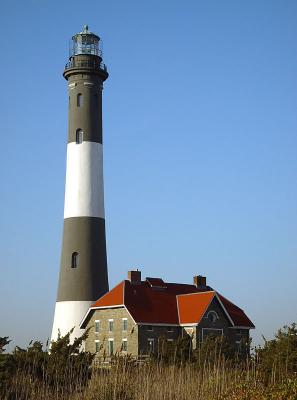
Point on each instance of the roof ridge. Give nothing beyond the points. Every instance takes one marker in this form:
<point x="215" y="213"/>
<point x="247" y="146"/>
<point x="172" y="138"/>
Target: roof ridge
<point x="225" y="298"/>
<point x="190" y="294"/>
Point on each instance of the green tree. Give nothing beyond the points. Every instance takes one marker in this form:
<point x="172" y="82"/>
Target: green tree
<point x="278" y="357"/>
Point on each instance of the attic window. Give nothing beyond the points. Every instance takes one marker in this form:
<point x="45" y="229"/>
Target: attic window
<point x="212" y="316"/>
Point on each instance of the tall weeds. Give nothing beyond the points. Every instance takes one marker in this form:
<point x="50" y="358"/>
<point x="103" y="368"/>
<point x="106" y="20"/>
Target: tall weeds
<point x="173" y="374"/>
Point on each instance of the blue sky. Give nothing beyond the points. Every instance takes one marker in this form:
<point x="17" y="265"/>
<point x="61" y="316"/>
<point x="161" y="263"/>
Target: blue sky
<point x="200" y="143"/>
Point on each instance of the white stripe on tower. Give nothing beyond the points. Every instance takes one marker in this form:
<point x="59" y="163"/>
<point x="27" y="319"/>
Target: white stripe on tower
<point x="84" y="180"/>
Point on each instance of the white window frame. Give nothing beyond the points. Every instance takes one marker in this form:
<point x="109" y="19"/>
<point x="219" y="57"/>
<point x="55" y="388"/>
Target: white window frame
<point x="109" y="341"/>
<point x="123" y="323"/>
<point x="212" y="329"/>
<point x="109" y="321"/>
<point x="97" y="321"/>
<point x="212" y="312"/>
<point x="125" y="340"/>
<point x="97" y="342"/>
<point x="170" y="340"/>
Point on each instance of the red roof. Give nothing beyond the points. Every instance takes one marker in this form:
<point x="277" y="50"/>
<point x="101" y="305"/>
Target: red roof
<point x="113" y="298"/>
<point x="192" y="307"/>
<point x="155" y="302"/>
<point x="237" y="315"/>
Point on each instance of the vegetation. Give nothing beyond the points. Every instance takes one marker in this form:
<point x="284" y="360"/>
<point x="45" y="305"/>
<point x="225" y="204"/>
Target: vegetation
<point x="213" y="371"/>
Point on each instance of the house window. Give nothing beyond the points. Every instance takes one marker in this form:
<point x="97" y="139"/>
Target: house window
<point x="151" y="345"/>
<point x="79" y="100"/>
<point x="124" y="345"/>
<point x="110" y="347"/>
<point x="110" y="325"/>
<point x="74" y="260"/>
<point x="79" y="136"/>
<point x="150" y="328"/>
<point x="97" y="346"/>
<point x="212" y="316"/>
<point x="125" y="324"/>
<point x="169" y="328"/>
<point x="211" y="332"/>
<point x="97" y="326"/>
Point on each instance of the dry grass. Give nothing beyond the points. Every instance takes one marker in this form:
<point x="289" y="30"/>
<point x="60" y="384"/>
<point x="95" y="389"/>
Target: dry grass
<point x="154" y="381"/>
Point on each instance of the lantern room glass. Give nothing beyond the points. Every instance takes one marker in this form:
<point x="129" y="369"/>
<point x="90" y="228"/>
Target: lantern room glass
<point x="84" y="42"/>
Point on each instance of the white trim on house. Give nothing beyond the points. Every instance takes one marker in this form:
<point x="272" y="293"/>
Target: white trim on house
<point x="212" y="329"/>
<point x="188" y="325"/>
<point x="130" y="315"/>
<point x="241" y="327"/>
<point x="97" y="308"/>
<point x="223" y="307"/>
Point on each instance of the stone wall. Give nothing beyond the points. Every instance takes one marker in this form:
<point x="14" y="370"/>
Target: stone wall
<point x="118" y="334"/>
<point x="146" y="332"/>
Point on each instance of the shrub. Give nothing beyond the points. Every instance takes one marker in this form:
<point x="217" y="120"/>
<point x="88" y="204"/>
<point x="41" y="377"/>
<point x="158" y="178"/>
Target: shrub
<point x="278" y="357"/>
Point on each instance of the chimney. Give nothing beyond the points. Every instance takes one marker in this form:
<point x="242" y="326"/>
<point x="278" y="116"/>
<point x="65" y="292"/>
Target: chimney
<point x="199" y="280"/>
<point x="134" y="277"/>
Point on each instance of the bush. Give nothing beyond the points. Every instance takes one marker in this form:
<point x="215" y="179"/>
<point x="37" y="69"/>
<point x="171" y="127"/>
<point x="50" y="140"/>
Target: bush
<point x="64" y="369"/>
<point x="278" y="357"/>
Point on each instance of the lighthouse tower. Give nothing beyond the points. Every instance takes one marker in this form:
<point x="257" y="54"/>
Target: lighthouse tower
<point x="83" y="271"/>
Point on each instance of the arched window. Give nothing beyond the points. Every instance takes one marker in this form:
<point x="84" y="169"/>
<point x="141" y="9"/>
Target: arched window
<point x="212" y="316"/>
<point x="74" y="260"/>
<point x="79" y="136"/>
<point x="79" y="100"/>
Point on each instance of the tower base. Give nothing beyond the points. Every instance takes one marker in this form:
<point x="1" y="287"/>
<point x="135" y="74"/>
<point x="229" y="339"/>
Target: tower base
<point x="68" y="315"/>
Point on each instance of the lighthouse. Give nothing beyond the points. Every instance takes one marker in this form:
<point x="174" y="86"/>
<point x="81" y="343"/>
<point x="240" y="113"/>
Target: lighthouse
<point x="83" y="269"/>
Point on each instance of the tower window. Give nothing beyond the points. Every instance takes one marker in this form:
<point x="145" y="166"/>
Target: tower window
<point x="79" y="136"/>
<point x="74" y="260"/>
<point x="79" y="100"/>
